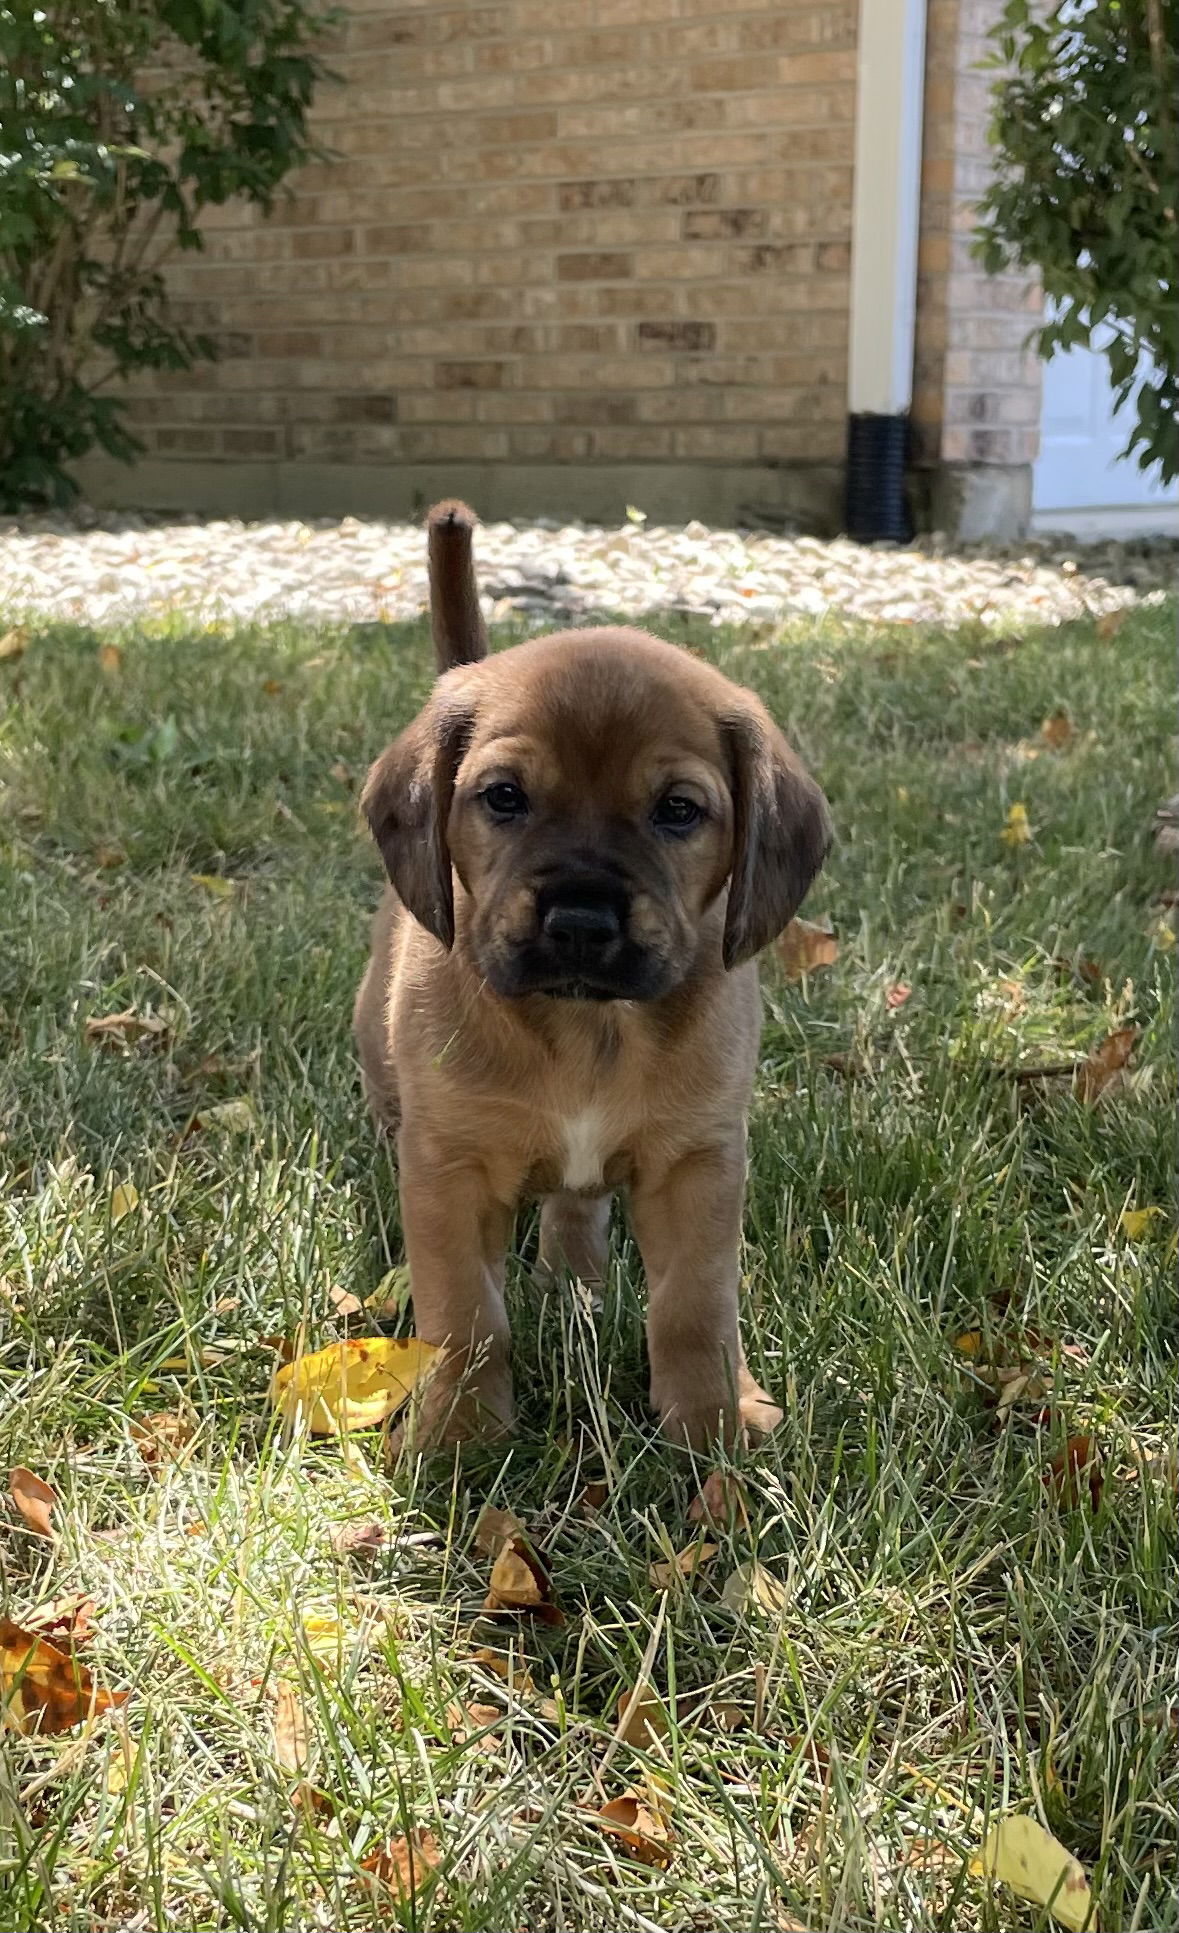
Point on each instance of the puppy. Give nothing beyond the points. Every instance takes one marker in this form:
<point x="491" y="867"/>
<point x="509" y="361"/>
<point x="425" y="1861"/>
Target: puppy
<point x="589" y="838"/>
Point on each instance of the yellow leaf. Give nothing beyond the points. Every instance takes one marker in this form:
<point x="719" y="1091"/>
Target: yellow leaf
<point x="1036" y="1866"/>
<point x="290" y="1729"/>
<point x="1057" y="730"/>
<point x="236" y="1116"/>
<point x="12" y="644"/>
<point x="1136" y="1221"/>
<point x="1017" y="831"/>
<point x="352" y="1385"/>
<point x="684" y="1565"/>
<point x="215" y="883"/>
<point x="34" y="1498"/>
<point x="752" y="1584"/>
<point x="969" y="1343"/>
<point x="803" y="947"/>
<point x="110" y="657"/>
<point x="634" y="516"/>
<point x="123" y="1199"/>
<point x="1162" y="934"/>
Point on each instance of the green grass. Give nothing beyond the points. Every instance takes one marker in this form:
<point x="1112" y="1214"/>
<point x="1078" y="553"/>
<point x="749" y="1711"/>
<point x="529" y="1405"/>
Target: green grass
<point x="955" y="1639"/>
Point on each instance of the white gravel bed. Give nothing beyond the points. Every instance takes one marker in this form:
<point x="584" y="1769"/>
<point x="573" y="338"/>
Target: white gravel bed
<point x="100" y="568"/>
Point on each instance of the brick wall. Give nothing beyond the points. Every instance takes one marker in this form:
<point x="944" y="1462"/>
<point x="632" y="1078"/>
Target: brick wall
<point x="976" y="397"/>
<point x="558" y="232"/>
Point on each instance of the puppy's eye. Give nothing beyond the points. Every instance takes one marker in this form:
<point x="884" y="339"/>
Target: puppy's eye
<point x="677" y="813"/>
<point x="505" y="800"/>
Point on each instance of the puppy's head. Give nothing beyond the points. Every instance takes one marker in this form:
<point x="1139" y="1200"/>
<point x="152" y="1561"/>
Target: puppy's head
<point x="594" y="793"/>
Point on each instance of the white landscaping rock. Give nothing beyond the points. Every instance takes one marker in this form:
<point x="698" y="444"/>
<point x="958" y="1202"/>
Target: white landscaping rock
<point x="114" y="568"/>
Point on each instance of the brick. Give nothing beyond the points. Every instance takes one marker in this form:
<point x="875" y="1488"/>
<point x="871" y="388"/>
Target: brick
<point x="620" y="193"/>
<point x="313" y="244"/>
<point x="604" y="267"/>
<point x="366" y="409"/>
<point x="469" y="375"/>
<point x="713" y="224"/>
<point x="596" y="408"/>
<point x="688" y="336"/>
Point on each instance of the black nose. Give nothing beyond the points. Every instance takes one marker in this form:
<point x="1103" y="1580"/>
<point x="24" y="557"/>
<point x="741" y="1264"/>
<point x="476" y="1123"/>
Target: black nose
<point x="581" y="922"/>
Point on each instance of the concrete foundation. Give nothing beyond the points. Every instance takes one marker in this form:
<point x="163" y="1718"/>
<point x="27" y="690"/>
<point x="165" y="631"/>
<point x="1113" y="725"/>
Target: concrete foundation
<point x="975" y="502"/>
<point x="805" y="498"/>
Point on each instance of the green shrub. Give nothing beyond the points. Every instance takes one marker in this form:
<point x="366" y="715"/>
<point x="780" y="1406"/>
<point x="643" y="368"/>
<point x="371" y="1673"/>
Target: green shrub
<point x="120" y="122"/>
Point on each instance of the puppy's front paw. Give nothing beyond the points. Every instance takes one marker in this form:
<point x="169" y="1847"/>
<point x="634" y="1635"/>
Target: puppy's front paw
<point x="759" y="1416"/>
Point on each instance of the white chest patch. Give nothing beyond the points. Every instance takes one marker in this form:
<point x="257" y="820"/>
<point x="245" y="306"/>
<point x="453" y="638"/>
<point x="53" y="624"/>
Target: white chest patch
<point x="584" y="1149"/>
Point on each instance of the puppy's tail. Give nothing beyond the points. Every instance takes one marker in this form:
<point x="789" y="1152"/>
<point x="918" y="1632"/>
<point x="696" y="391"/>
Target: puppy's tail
<point x="460" y="635"/>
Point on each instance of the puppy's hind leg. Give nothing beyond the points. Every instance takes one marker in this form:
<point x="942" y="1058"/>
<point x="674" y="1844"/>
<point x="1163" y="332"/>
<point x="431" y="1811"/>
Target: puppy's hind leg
<point x="574" y="1237"/>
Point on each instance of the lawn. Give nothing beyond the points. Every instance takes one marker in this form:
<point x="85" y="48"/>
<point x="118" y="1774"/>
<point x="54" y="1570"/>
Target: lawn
<point x="941" y="1292"/>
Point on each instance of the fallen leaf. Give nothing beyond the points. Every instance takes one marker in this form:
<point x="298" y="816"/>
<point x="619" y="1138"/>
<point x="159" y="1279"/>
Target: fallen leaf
<point x="341" y="773"/>
<point x="1102" y="1067"/>
<point x="353" y="1385"/>
<point x="123" y="1199"/>
<point x="752" y="1584"/>
<point x="593" y="1497"/>
<point x="1036" y="1866"/>
<point x="520" y="1582"/>
<point x="642" y="1830"/>
<point x="272" y="687"/>
<point x="897" y="996"/>
<point x="815" y="1753"/>
<point x="969" y="1343"/>
<point x="1110" y="623"/>
<point x="106" y="858"/>
<point x="13" y="643"/>
<point x="1079" y="1458"/>
<point x="728" y="1716"/>
<point x="1057" y="730"/>
<point x="721" y="1499"/>
<point x="34" y="1498"/>
<point x="360" y="1535"/>
<point x="931" y="1855"/>
<point x="344" y="1303"/>
<point x="509" y="1670"/>
<point x="404" y="1865"/>
<point x="215" y="883"/>
<point x="471" y="1723"/>
<point x="1016" y="831"/>
<point x="390" y="1298"/>
<point x="67" y="1621"/>
<point x="684" y="1565"/>
<point x="44" y="1689"/>
<point x="123" y="1761"/>
<point x="110" y="658"/>
<point x="290" y="1728"/>
<point x="1135" y="1222"/>
<point x="312" y="1801"/>
<point x="123" y="1028"/>
<point x="641" y="1717"/>
<point x="803" y="947"/>
<point x="494" y="1529"/>
<point x="237" y="1116"/>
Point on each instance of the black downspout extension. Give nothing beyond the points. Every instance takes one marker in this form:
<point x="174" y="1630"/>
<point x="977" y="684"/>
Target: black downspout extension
<point x="876" y="504"/>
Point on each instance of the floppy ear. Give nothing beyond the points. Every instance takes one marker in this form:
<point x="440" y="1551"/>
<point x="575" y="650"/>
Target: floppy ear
<point x="781" y="833"/>
<point x="407" y="799"/>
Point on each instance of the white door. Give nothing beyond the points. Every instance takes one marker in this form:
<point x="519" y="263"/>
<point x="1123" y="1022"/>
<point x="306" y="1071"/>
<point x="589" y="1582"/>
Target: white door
<point x="1079" y="471"/>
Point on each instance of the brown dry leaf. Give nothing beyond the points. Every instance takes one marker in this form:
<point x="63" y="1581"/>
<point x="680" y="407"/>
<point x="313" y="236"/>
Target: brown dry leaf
<point x="34" y="1498"/>
<point x="272" y="686"/>
<point x="360" y="1535"/>
<point x="343" y="1302"/>
<point x="13" y="643"/>
<point x="312" y="1801"/>
<point x="110" y="658"/>
<point x="107" y="858"/>
<point x="897" y="996"/>
<point x="727" y="1716"/>
<point x="816" y="1755"/>
<point x="683" y="1566"/>
<point x="1057" y="730"/>
<point x="67" y="1621"/>
<point x="1103" y="1066"/>
<point x="1079" y="1460"/>
<point x="469" y="1724"/>
<point x="930" y="1855"/>
<point x="404" y="1865"/>
<point x="44" y="1689"/>
<point x="496" y="1528"/>
<point x="722" y="1499"/>
<point x="162" y="1438"/>
<point x="520" y="1582"/>
<point x="641" y="1717"/>
<point x="642" y="1829"/>
<point x="122" y="1029"/>
<point x="510" y="1671"/>
<point x="803" y="947"/>
<point x="593" y="1497"/>
<point x="1110" y="623"/>
<point x="341" y="773"/>
<point x="290" y="1728"/>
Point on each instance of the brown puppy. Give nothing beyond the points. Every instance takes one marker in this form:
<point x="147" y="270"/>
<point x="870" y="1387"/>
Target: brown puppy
<point x="589" y="837"/>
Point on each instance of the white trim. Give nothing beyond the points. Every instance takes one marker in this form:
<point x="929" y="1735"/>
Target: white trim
<point x="886" y="204"/>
